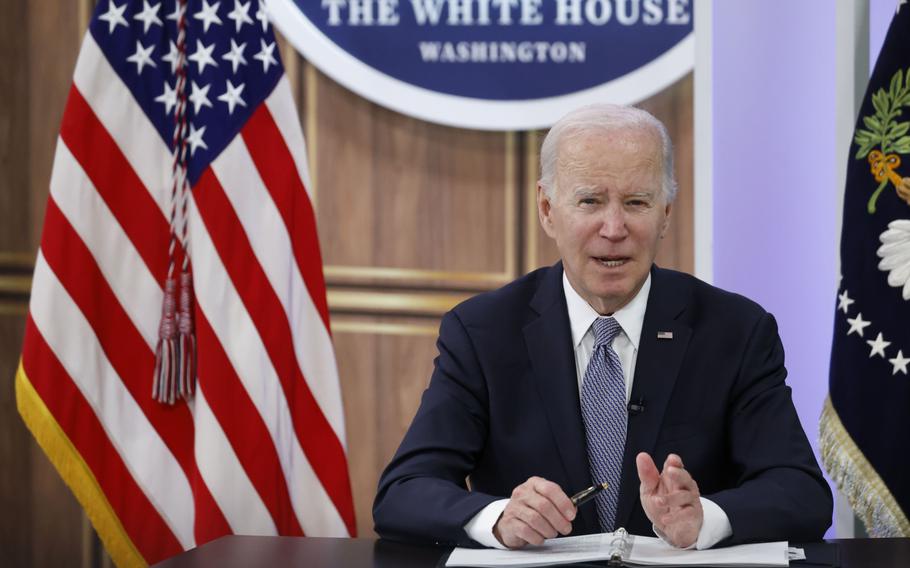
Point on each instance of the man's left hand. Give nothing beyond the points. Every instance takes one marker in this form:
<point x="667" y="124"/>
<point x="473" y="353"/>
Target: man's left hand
<point x="670" y="499"/>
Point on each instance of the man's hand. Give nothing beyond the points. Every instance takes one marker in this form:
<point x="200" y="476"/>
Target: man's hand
<point x="537" y="510"/>
<point x="670" y="498"/>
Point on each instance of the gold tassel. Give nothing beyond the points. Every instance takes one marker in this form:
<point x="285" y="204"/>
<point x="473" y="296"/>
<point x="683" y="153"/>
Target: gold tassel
<point x="868" y="495"/>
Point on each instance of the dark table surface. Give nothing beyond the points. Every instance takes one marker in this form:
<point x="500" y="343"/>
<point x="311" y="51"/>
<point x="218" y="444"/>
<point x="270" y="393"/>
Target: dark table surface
<point x="248" y="551"/>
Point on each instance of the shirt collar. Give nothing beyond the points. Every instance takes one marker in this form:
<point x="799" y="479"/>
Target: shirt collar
<point x="630" y="317"/>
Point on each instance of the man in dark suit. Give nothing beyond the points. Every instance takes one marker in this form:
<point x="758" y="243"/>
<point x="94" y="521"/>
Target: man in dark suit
<point x="581" y="372"/>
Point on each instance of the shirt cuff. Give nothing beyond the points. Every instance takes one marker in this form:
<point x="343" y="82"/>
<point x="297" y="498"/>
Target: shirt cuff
<point x="715" y="526"/>
<point x="480" y="527"/>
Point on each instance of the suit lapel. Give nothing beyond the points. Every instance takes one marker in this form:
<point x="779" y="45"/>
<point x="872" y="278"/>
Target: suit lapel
<point x="549" y="342"/>
<point x="656" y="369"/>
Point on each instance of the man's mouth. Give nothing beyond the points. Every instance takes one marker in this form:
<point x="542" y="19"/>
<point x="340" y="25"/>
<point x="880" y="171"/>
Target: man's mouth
<point x="611" y="261"/>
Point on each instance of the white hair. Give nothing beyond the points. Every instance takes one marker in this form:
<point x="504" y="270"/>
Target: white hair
<point x="603" y="117"/>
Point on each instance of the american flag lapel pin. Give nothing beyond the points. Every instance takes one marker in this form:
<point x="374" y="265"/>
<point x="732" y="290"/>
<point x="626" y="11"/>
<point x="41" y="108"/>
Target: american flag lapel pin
<point x="664" y="335"/>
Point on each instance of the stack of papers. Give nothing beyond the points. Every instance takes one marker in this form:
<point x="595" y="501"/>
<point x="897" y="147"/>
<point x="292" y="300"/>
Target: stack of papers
<point x="645" y="551"/>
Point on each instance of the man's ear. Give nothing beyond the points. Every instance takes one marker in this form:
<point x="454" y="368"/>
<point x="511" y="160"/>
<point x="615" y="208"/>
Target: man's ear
<point x="663" y="229"/>
<point x="544" y="210"/>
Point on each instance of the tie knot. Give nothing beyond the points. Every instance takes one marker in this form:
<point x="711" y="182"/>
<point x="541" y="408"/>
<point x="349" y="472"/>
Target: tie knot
<point x="605" y="330"/>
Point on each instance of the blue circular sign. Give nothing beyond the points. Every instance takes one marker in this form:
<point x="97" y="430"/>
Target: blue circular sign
<point x="493" y="64"/>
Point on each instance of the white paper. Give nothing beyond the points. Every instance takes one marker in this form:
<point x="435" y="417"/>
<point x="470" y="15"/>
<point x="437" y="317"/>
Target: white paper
<point x="645" y="551"/>
<point x="584" y="548"/>
<point x="648" y="551"/>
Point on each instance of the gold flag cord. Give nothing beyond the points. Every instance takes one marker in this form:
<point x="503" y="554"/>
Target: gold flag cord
<point x="868" y="495"/>
<point x="75" y="473"/>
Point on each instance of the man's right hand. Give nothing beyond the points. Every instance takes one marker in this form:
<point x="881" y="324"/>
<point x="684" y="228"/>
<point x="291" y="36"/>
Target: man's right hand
<point x="537" y="510"/>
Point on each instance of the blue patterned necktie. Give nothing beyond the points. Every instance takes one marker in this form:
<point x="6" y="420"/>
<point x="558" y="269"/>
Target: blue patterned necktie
<point x="603" y="408"/>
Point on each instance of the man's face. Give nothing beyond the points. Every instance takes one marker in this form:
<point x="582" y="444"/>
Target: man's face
<point x="607" y="213"/>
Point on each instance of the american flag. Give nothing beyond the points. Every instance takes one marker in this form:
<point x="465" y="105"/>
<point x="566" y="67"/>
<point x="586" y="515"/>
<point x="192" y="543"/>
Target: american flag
<point x="259" y="448"/>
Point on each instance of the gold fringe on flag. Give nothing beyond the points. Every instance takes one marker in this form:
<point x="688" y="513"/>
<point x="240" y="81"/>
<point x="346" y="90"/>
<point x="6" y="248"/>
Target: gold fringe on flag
<point x="75" y="473"/>
<point x="868" y="495"/>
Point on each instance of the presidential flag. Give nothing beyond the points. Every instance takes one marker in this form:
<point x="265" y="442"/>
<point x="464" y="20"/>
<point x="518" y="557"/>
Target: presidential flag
<point x="866" y="418"/>
<point x="178" y="366"/>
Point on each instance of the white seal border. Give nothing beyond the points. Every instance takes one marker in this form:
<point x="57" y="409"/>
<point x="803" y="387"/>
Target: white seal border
<point x="467" y="112"/>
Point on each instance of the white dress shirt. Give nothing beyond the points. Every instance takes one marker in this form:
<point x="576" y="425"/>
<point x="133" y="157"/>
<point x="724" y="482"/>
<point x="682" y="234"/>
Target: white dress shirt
<point x="716" y="525"/>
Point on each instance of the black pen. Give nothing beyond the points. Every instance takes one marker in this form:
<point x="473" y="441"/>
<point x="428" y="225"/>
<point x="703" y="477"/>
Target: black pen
<point x="586" y="495"/>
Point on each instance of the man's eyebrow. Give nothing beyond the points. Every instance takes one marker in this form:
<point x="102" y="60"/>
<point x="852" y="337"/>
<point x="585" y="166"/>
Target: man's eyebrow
<point x="585" y="191"/>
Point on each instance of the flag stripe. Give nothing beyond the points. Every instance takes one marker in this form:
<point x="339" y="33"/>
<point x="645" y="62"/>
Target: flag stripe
<point x="116" y="183"/>
<point x="118" y="260"/>
<point x="94" y="244"/>
<point x="151" y="464"/>
<point x="220" y="468"/>
<point x="237" y="333"/>
<point x="314" y="433"/>
<point x="253" y="204"/>
<point x="114" y="106"/>
<point x="244" y="427"/>
<point x="276" y="167"/>
<point x="129" y="355"/>
<point x="152" y="537"/>
<point x="284" y="112"/>
<point x="209" y="522"/>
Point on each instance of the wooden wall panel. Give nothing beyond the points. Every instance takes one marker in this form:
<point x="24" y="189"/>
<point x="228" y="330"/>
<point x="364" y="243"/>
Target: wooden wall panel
<point x="386" y="363"/>
<point x="409" y="202"/>
<point x="15" y="453"/>
<point x="41" y="524"/>
<point x="55" y="33"/>
<point x="58" y="524"/>
<point x="14" y="188"/>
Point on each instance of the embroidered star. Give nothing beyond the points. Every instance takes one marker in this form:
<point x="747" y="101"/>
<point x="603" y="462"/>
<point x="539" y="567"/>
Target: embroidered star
<point x="199" y="96"/>
<point x="878" y="346"/>
<point x="899" y="363"/>
<point x="240" y="14"/>
<point x="262" y="17"/>
<point x="235" y="55"/>
<point x="148" y="16"/>
<point x="194" y="139"/>
<point x="203" y="56"/>
<point x="265" y="55"/>
<point x="179" y="9"/>
<point x="232" y="96"/>
<point x="899" y="4"/>
<point x="168" y="98"/>
<point x="114" y="16"/>
<point x="142" y="57"/>
<point x="858" y="324"/>
<point x="172" y="57"/>
<point x="208" y="15"/>
<point x="844" y="301"/>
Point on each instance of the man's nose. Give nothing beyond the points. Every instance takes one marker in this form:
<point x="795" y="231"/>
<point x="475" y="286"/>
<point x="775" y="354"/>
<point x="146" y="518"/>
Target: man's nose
<point x="613" y="224"/>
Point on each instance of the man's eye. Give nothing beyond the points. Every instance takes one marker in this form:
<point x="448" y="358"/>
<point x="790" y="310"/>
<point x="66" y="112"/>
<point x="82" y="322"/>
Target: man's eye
<point x="587" y="201"/>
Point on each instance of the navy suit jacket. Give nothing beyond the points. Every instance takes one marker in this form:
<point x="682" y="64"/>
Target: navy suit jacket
<point x="503" y="405"/>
